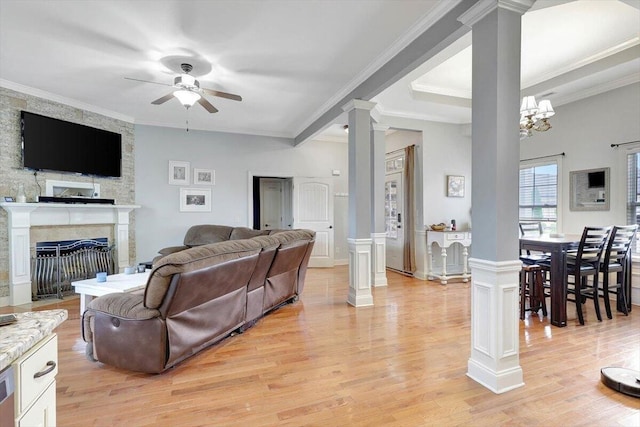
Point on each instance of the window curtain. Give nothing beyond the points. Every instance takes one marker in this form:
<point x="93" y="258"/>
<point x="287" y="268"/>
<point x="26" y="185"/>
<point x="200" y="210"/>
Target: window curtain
<point x="409" y="197"/>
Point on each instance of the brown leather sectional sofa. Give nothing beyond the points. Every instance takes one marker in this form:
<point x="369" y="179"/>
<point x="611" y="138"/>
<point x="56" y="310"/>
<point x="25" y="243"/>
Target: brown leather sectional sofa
<point x="197" y="296"/>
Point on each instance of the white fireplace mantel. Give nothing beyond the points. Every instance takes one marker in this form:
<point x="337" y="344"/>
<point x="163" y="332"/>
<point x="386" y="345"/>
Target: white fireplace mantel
<point x="22" y="216"/>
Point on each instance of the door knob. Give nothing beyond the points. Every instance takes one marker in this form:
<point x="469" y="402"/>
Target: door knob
<point x="266" y="225"/>
<point x="331" y="226"/>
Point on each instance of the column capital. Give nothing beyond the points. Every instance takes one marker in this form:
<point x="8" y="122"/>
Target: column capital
<point x="379" y="127"/>
<point x="358" y="104"/>
<point x="484" y="7"/>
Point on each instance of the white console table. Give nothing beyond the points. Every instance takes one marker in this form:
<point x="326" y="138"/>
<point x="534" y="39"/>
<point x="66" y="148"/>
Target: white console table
<point x="444" y="239"/>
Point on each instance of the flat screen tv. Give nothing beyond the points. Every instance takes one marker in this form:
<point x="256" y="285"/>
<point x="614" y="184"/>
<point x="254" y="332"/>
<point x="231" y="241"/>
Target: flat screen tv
<point x="56" y="145"/>
<point x="596" y="179"/>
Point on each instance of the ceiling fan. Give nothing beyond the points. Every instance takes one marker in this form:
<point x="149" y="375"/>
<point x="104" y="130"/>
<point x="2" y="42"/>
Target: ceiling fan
<point x="188" y="91"/>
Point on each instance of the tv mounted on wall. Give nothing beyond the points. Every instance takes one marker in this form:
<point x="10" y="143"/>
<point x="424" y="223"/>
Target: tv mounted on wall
<point x="56" y="145"/>
<point x="596" y="179"/>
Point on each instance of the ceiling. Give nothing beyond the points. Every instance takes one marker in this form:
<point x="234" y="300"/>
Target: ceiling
<point x="288" y="59"/>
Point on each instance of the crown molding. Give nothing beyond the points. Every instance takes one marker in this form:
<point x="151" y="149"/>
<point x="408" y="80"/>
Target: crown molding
<point x="420" y="117"/>
<point x="434" y="15"/>
<point x="597" y="90"/>
<point x="28" y="90"/>
<point x="358" y="104"/>
<point x="378" y="127"/>
<point x="485" y="7"/>
<point x="621" y="47"/>
<point x="458" y="93"/>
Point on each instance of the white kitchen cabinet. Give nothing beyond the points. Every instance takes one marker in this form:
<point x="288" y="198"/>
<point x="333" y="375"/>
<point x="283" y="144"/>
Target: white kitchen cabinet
<point x="35" y="391"/>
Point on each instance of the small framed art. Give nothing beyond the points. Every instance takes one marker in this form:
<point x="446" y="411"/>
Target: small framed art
<point x="178" y="172"/>
<point x="204" y="176"/>
<point x="195" y="200"/>
<point x="455" y="186"/>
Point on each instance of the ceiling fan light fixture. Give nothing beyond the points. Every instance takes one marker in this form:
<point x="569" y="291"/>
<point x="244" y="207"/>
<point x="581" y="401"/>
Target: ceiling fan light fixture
<point x="186" y="97"/>
<point x="188" y="80"/>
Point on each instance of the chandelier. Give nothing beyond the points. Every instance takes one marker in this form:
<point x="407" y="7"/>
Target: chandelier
<point x="534" y="116"/>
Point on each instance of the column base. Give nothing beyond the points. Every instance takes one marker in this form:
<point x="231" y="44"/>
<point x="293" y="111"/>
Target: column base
<point x="379" y="259"/>
<point x="497" y="382"/>
<point x="495" y="340"/>
<point x="360" y="273"/>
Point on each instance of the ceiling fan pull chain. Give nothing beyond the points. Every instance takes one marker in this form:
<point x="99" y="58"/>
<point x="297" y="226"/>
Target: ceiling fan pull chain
<point x="187" y="120"/>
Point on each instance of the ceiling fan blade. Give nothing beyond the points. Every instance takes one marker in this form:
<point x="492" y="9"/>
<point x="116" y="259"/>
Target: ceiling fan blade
<point x="163" y="99"/>
<point x="147" y="81"/>
<point x="207" y="105"/>
<point x="222" y="94"/>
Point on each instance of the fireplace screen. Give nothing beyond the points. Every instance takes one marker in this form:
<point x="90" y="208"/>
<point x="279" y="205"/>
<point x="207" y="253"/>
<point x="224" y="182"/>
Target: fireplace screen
<point x="57" y="264"/>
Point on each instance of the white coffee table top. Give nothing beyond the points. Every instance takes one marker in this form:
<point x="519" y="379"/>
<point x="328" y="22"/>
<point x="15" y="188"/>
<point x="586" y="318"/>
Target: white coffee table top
<point x="114" y="283"/>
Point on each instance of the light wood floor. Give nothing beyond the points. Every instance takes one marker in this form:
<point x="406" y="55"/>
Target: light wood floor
<point x="320" y="362"/>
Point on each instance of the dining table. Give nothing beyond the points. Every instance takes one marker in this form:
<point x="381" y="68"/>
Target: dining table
<point x="556" y="245"/>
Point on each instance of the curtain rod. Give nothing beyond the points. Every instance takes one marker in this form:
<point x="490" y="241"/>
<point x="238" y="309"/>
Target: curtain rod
<point x="623" y="143"/>
<point x="544" y="157"/>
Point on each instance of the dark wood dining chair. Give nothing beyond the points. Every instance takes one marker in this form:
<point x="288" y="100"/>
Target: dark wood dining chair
<point x="584" y="263"/>
<point x="615" y="260"/>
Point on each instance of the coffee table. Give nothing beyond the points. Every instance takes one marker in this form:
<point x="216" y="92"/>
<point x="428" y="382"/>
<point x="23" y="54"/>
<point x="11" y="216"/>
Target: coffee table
<point x="90" y="288"/>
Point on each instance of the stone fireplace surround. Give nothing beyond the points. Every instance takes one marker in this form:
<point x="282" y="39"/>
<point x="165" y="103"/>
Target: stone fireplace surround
<point x="22" y="216"/>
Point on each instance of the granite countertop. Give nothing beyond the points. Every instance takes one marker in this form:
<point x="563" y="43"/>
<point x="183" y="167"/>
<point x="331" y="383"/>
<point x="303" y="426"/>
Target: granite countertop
<point x="16" y="339"/>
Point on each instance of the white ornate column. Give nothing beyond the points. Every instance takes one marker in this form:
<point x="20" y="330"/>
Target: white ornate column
<point x="378" y="234"/>
<point x="496" y="32"/>
<point x="359" y="235"/>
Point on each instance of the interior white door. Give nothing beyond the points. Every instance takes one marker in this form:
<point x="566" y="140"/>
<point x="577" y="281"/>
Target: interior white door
<point x="394" y="216"/>
<point x="313" y="209"/>
<point x="271" y="204"/>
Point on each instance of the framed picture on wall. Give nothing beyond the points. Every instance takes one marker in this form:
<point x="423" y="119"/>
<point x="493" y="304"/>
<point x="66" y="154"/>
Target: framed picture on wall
<point x="204" y="176"/>
<point x="195" y="200"/>
<point x="455" y="186"/>
<point x="178" y="172"/>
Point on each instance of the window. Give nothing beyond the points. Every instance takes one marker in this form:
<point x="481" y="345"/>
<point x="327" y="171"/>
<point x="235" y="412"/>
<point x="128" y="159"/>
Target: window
<point x="633" y="193"/>
<point x="539" y="194"/>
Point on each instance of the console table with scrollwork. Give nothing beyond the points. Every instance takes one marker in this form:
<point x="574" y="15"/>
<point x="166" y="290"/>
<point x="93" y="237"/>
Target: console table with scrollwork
<point x="445" y="239"/>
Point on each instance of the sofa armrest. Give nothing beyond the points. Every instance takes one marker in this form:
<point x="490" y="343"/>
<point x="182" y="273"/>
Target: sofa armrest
<point x="172" y="249"/>
<point x="123" y="305"/>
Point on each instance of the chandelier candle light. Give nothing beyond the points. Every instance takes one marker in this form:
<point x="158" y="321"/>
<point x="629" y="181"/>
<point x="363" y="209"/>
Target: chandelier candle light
<point x="534" y="116"/>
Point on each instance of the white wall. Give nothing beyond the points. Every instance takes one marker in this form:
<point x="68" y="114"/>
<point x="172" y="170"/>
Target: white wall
<point x="584" y="131"/>
<point x="445" y="149"/>
<point x="232" y="156"/>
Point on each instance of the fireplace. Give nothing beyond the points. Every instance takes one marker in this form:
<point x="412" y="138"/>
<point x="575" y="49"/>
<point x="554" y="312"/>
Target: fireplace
<point x="23" y="216"/>
<point x="57" y="264"/>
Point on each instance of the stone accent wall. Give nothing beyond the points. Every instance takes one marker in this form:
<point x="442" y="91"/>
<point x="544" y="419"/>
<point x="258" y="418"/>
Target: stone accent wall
<point x="12" y="174"/>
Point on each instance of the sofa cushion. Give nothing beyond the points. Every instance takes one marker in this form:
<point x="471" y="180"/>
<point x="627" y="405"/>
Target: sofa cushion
<point x="205" y="234"/>
<point x="190" y="260"/>
<point x="293" y="235"/>
<point x="246" y="233"/>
